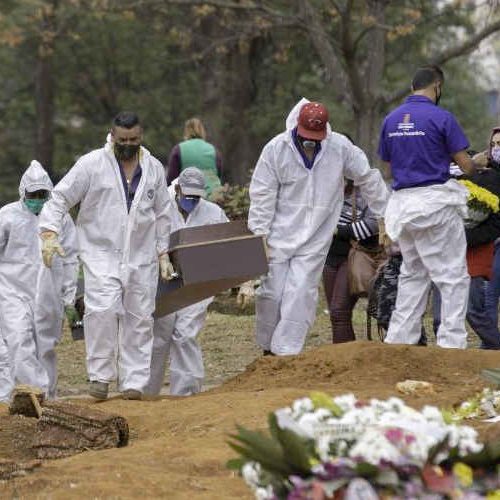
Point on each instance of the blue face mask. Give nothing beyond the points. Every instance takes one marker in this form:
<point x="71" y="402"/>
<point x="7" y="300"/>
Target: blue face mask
<point x="35" y="205"/>
<point x="188" y="203"/>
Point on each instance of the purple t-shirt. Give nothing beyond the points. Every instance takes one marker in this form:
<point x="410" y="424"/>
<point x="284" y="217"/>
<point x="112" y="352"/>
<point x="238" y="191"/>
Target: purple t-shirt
<point x="419" y="139"/>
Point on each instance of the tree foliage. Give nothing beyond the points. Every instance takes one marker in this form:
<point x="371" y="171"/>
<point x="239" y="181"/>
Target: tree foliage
<point x="69" y="66"/>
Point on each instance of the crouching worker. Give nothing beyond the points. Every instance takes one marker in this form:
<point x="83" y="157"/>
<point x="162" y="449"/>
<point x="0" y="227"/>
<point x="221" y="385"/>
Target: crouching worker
<point x="175" y="334"/>
<point x="32" y="298"/>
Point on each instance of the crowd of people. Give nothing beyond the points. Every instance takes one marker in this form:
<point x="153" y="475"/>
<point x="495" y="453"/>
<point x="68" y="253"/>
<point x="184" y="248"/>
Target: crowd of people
<point x="313" y="197"/>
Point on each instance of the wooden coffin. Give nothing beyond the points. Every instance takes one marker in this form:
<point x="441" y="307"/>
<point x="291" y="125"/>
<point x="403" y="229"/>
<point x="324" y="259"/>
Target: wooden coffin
<point x="209" y="260"/>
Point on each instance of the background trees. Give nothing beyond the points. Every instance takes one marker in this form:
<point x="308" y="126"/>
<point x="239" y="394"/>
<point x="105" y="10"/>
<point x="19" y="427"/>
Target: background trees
<point x="66" y="67"/>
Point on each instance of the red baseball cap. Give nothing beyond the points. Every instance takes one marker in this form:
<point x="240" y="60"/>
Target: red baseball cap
<point x="313" y="118"/>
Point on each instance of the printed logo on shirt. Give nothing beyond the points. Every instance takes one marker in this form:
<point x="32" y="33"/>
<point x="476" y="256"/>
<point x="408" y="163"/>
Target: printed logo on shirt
<point x="150" y="193"/>
<point x="406" y="124"/>
<point x="406" y="128"/>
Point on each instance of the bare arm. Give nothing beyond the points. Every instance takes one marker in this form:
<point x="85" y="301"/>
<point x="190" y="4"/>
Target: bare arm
<point x="465" y="162"/>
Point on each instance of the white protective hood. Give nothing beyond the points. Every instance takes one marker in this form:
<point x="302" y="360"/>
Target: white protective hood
<point x="34" y="178"/>
<point x="293" y="116"/>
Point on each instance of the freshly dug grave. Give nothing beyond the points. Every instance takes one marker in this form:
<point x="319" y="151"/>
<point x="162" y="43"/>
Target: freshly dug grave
<point x="178" y="445"/>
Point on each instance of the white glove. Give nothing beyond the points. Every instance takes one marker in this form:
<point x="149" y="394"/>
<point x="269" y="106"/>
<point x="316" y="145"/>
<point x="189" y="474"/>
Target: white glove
<point x="166" y="267"/>
<point x="246" y="294"/>
<point x="50" y="247"/>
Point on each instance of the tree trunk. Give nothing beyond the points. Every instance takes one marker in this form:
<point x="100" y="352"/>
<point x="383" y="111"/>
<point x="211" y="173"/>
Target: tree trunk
<point x="44" y="98"/>
<point x="45" y="88"/>
<point x="228" y="92"/>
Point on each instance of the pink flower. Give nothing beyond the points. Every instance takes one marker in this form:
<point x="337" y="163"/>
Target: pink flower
<point x="394" y="435"/>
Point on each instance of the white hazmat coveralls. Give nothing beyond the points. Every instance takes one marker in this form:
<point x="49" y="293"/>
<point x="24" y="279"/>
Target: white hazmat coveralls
<point x="27" y="288"/>
<point x="119" y="252"/>
<point x="427" y="223"/>
<point x="297" y="210"/>
<point x="6" y="377"/>
<point x="175" y="334"/>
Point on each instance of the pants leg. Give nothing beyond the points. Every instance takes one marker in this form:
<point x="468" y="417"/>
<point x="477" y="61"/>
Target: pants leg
<point x="478" y="317"/>
<point x="405" y="326"/>
<point x="135" y="338"/>
<point x="442" y="249"/>
<point x="493" y="288"/>
<point x="298" y="304"/>
<point x="103" y="304"/>
<point x="268" y="303"/>
<point x="186" y="359"/>
<point x="18" y="330"/>
<point x="6" y="375"/>
<point x="162" y="338"/>
<point x="49" y="311"/>
<point x="340" y="301"/>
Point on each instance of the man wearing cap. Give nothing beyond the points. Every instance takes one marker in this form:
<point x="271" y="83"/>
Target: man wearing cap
<point x="175" y="334"/>
<point x="418" y="141"/>
<point x="296" y="195"/>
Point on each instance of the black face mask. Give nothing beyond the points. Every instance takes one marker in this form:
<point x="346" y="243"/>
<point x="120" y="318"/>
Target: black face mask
<point x="126" y="151"/>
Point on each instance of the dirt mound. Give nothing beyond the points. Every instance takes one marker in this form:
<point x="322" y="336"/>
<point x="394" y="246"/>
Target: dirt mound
<point x="178" y="445"/>
<point x="370" y="367"/>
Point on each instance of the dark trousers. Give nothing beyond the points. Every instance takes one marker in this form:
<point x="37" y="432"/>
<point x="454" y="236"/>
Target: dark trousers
<point x="477" y="316"/>
<point x="340" y="301"/>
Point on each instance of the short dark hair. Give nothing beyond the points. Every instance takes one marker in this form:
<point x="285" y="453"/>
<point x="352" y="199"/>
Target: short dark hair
<point x="126" y="119"/>
<point x="426" y="75"/>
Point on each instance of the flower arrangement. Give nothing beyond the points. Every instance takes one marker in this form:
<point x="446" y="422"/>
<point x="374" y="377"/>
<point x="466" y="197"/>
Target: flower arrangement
<point x="480" y="203"/>
<point x="322" y="448"/>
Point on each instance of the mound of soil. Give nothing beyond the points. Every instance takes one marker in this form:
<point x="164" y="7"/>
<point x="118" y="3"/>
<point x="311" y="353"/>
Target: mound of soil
<point x="178" y="445"/>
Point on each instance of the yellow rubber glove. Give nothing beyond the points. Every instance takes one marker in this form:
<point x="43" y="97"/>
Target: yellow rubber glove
<point x="166" y="267"/>
<point x="246" y="294"/>
<point x="50" y="247"/>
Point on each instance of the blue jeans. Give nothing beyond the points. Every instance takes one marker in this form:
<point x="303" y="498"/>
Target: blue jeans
<point x="477" y="316"/>
<point x="493" y="288"/>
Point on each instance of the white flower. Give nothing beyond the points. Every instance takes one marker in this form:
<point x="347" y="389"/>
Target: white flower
<point x="373" y="447"/>
<point x="433" y="414"/>
<point x="346" y="402"/>
<point x="264" y="493"/>
<point x="301" y="406"/>
<point x="251" y="474"/>
<point x="286" y="421"/>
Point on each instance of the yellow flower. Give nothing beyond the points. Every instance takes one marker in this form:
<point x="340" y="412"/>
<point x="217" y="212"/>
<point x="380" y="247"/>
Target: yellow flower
<point x="323" y="400"/>
<point x="463" y="473"/>
<point x="482" y="196"/>
<point x="493" y="495"/>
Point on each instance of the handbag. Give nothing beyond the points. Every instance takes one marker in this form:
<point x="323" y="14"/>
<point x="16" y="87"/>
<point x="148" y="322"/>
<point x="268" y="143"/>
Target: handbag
<point x="362" y="262"/>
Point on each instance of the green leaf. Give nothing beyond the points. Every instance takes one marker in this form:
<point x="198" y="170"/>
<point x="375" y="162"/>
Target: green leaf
<point x="235" y="464"/>
<point x="298" y="451"/>
<point x="367" y="470"/>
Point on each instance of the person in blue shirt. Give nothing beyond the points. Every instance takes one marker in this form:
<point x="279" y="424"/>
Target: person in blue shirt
<point x="418" y="141"/>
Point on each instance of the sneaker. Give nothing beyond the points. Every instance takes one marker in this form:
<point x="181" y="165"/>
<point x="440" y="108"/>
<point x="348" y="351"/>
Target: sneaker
<point x="98" y="390"/>
<point x="131" y="394"/>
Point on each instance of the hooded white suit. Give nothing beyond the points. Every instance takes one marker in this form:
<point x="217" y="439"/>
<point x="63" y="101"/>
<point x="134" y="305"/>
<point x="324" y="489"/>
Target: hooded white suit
<point x="119" y="252"/>
<point x="32" y="297"/>
<point x="297" y="210"/>
<point x="175" y="334"/>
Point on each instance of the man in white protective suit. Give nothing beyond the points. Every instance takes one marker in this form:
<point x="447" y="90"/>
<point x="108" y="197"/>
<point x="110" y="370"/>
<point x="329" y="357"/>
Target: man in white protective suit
<point x="32" y="297"/>
<point x="175" y="334"/>
<point x="123" y="229"/>
<point x="296" y="196"/>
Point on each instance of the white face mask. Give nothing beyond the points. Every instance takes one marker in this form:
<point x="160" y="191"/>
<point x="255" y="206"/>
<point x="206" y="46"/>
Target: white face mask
<point x="495" y="153"/>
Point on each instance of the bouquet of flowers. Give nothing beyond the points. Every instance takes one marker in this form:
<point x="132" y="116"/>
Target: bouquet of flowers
<point x="335" y="448"/>
<point x="480" y="204"/>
